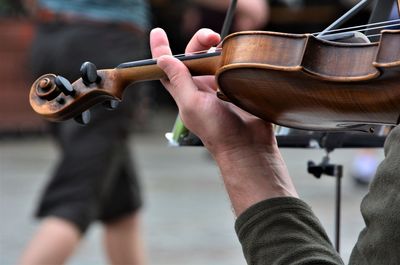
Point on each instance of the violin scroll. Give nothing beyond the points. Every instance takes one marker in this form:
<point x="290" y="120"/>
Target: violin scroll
<point x="56" y="99"/>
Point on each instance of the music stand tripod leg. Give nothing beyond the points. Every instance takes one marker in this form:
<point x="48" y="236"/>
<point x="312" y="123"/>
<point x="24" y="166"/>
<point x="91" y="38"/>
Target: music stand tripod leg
<point x="333" y="170"/>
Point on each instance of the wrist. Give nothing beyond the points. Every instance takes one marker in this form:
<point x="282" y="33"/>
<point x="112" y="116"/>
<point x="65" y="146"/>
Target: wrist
<point x="254" y="173"/>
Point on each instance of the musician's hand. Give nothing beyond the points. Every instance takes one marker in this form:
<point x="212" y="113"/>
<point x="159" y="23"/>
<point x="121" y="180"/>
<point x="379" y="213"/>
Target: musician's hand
<point x="219" y="124"/>
<point x="244" y="146"/>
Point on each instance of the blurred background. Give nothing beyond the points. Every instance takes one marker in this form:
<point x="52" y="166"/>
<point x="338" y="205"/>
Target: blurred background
<point x="187" y="216"/>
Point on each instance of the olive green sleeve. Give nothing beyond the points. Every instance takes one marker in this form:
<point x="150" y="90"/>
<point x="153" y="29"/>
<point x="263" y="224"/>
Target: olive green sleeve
<point x="284" y="231"/>
<point x="379" y="242"/>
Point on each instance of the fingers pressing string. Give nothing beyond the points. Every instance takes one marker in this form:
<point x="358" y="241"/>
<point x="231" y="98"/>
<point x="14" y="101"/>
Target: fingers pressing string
<point x="179" y="79"/>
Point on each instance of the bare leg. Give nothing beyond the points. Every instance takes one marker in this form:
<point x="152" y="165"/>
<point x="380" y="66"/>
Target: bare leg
<point x="123" y="241"/>
<point x="53" y="243"/>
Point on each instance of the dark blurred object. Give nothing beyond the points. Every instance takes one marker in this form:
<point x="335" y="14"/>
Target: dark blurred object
<point x="16" y="116"/>
<point x="303" y="16"/>
<point x="309" y="16"/>
<point x="168" y="14"/>
<point x="11" y="8"/>
<point x="198" y="16"/>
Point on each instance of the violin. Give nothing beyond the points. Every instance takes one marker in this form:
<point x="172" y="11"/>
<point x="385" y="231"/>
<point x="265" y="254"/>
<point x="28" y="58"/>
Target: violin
<point x="293" y="80"/>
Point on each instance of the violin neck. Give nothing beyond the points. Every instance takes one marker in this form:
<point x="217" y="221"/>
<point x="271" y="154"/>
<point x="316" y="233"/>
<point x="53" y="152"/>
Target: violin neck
<point x="146" y="70"/>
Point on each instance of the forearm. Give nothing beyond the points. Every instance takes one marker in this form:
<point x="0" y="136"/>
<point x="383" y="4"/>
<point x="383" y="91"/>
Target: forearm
<point x="252" y="174"/>
<point x="378" y="242"/>
<point x="273" y="225"/>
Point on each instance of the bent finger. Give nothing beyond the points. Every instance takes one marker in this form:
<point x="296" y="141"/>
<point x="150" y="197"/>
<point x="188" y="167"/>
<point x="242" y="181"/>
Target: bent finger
<point x="204" y="39"/>
<point x="180" y="82"/>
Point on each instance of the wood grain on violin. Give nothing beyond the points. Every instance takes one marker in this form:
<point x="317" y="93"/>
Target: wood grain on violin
<point x="294" y="80"/>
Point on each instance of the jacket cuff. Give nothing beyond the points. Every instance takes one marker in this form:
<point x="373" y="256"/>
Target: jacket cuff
<point x="269" y="207"/>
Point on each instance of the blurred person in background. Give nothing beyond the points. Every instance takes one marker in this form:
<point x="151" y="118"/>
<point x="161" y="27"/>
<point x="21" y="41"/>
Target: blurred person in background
<point x="95" y="178"/>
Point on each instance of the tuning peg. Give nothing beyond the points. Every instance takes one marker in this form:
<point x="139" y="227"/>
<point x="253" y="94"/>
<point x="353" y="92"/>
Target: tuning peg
<point x="89" y="73"/>
<point x="111" y="104"/>
<point x="64" y="85"/>
<point x="83" y="118"/>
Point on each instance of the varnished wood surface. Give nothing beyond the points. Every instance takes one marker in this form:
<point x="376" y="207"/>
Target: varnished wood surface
<point x="323" y="86"/>
<point x="389" y="52"/>
<point x="293" y="99"/>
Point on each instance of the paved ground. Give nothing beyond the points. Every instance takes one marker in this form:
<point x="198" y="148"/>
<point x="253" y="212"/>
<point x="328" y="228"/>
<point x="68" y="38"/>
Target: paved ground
<point x="187" y="216"/>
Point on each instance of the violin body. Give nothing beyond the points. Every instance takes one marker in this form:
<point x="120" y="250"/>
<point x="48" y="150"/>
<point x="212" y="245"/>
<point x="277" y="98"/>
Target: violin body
<point x="300" y="81"/>
<point x="294" y="80"/>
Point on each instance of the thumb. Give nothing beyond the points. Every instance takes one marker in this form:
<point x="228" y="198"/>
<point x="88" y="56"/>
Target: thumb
<point x="180" y="83"/>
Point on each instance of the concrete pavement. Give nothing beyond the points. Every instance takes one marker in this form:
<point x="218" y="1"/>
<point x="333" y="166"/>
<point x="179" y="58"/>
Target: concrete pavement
<point x="187" y="218"/>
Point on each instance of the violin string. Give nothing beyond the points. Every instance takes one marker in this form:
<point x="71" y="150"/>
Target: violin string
<point x="217" y="49"/>
<point x="383" y="24"/>
<point x="178" y="56"/>
<point x="391" y="25"/>
<point x="381" y="27"/>
<point x="341" y="34"/>
<point x="374" y="35"/>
